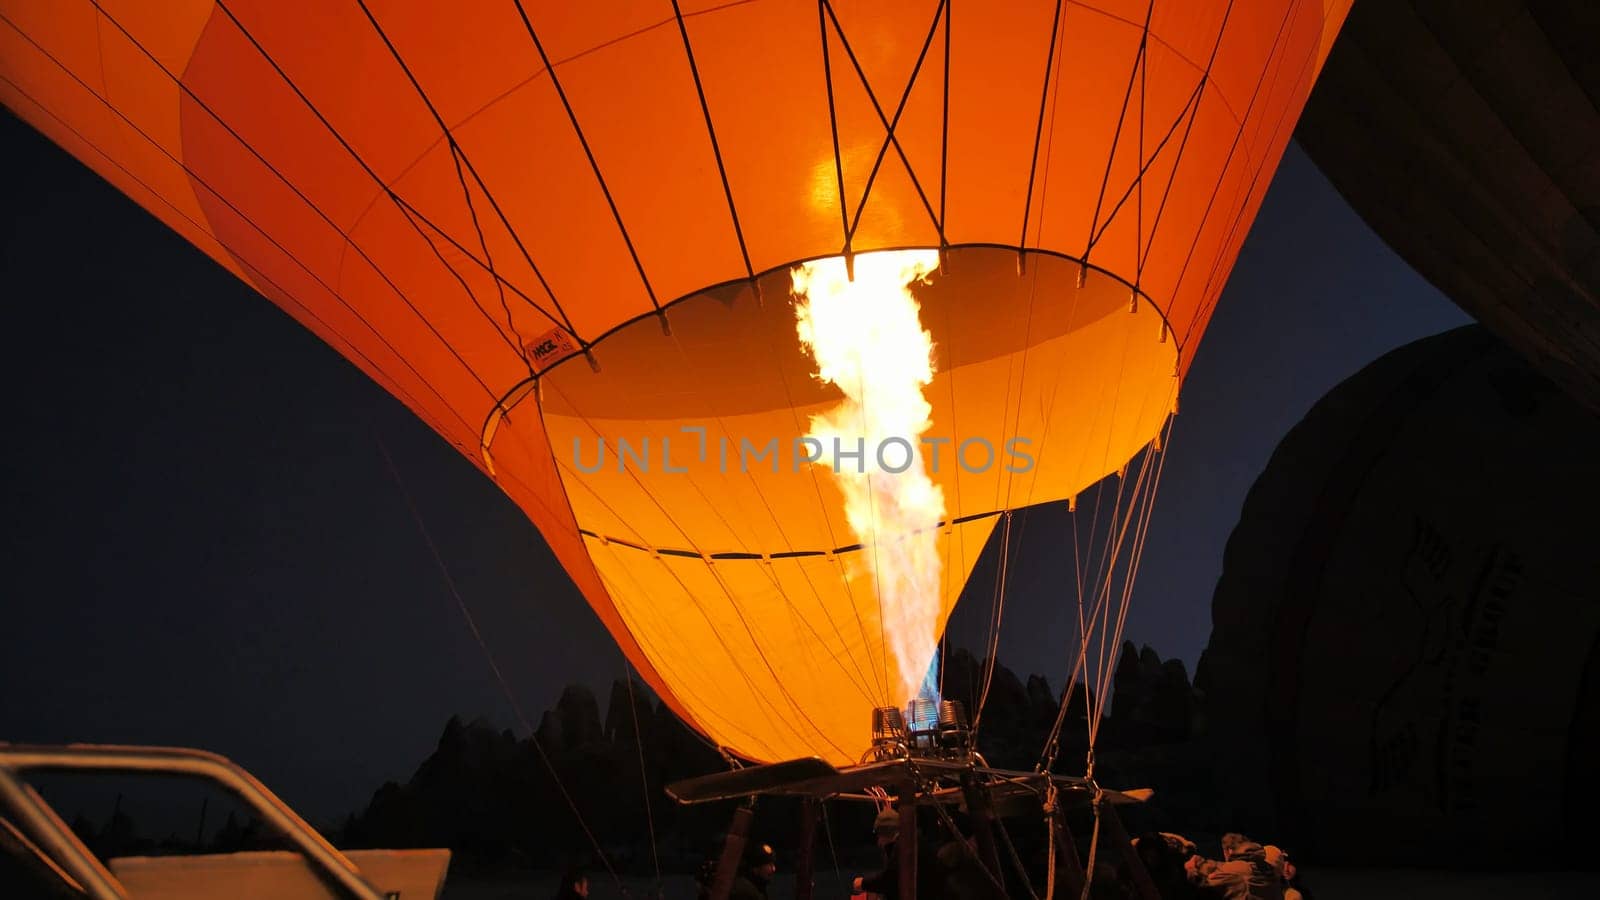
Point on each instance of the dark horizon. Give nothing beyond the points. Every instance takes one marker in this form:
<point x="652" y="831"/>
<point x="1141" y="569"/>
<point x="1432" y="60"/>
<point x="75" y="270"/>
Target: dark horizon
<point x="206" y="546"/>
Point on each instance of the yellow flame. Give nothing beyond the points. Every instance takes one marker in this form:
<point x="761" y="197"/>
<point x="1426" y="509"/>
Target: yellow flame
<point x="867" y="339"/>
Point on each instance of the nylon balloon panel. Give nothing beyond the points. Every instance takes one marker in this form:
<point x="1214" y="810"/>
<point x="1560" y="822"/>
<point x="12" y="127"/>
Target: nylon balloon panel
<point x="551" y="233"/>
<point x="789" y="653"/>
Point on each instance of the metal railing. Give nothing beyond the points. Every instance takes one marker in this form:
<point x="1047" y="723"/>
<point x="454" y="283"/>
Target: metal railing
<point x="21" y="802"/>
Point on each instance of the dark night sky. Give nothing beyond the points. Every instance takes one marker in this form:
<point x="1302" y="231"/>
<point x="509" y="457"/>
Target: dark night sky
<point x="205" y="547"/>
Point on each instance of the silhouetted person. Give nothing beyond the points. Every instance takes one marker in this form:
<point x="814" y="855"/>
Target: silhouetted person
<point x="945" y="871"/>
<point x="760" y="864"/>
<point x="1278" y="858"/>
<point x="750" y="882"/>
<point x="1164" y="855"/>
<point x="1110" y="882"/>
<point x="574" y="884"/>
<point x="1243" y="873"/>
<point x="960" y="875"/>
<point x="886" y="881"/>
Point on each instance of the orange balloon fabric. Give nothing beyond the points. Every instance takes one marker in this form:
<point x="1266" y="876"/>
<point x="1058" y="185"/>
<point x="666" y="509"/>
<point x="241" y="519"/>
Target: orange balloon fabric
<point x="562" y="230"/>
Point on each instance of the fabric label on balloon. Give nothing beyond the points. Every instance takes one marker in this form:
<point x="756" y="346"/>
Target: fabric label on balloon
<point x="551" y="347"/>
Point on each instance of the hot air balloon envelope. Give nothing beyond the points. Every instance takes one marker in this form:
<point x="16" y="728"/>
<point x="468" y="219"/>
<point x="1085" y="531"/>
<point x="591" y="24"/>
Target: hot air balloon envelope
<point x="547" y="225"/>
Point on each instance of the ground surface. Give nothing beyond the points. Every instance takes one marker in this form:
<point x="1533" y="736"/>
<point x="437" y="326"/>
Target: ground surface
<point x="1331" y="884"/>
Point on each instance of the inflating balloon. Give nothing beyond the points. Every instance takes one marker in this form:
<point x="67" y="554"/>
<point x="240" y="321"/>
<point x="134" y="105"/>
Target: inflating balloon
<point x="1403" y="673"/>
<point x="1467" y="140"/>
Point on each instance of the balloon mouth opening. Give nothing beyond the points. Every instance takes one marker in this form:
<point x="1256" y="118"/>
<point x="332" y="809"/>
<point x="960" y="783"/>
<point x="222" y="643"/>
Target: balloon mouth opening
<point x="739" y="335"/>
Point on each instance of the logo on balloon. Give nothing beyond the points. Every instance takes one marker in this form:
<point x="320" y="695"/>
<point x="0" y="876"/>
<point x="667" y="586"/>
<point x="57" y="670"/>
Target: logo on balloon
<point x="551" y="347"/>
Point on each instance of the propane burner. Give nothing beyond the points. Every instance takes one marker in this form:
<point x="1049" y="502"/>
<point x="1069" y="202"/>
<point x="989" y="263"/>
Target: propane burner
<point x="926" y="730"/>
<point x="924" y="726"/>
<point x="889" y="737"/>
<point x="955" y="732"/>
<point x="888" y="724"/>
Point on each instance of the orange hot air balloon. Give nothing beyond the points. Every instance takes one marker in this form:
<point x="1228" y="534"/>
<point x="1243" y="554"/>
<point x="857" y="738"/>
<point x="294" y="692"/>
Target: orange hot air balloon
<point x="557" y="229"/>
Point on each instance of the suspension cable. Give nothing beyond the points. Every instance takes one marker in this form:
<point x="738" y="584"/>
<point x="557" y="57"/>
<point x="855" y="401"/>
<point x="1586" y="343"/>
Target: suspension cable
<point x="997" y="611"/>
<point x="1138" y="515"/>
<point x="505" y="687"/>
<point x="1016" y="859"/>
<point x="832" y="851"/>
<point x="644" y="777"/>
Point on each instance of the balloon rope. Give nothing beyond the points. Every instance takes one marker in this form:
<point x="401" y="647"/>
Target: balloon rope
<point x="1016" y="858"/>
<point x="1078" y="673"/>
<point x="1050" y="851"/>
<point x="1109" y="646"/>
<point x="1104" y="567"/>
<point x="1138" y="505"/>
<point x="644" y="777"/>
<point x="516" y="708"/>
<point x="998" y="610"/>
<point x="1094" y="847"/>
<point x="1145" y="491"/>
<point x="832" y="851"/>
